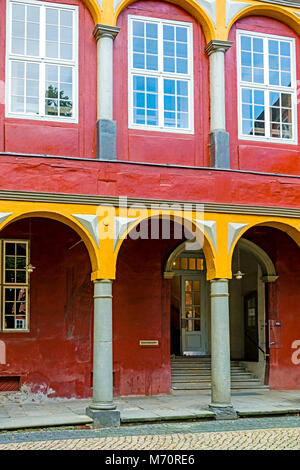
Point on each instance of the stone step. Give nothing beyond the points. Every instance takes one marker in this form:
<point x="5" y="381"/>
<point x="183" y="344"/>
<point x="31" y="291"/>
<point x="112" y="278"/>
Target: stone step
<point x="203" y="369"/>
<point x="201" y="382"/>
<point x="208" y="377"/>
<point x="207" y="385"/>
<point x="195" y="374"/>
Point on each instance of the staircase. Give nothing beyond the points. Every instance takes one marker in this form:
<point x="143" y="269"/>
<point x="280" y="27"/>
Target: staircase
<point x="194" y="373"/>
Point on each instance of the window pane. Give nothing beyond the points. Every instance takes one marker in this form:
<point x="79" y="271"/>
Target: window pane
<point x="33" y="14"/>
<point x="65" y="108"/>
<point x="52" y="16"/>
<point x="246" y="59"/>
<point x="52" y="50"/>
<point x="51" y="33"/>
<point x="66" y="18"/>
<point x="18" y="29"/>
<point x="17" y="87"/>
<point x="182" y="120"/>
<point x="139" y="61"/>
<point x="18" y="46"/>
<point x="145" y="100"/>
<point x="139" y="45"/>
<point x="258" y="45"/>
<point x="138" y="28"/>
<point x="66" y="51"/>
<point x="182" y="66"/>
<point x="169" y="65"/>
<point x="18" y="11"/>
<point x="247" y="127"/>
<point x="246" y="43"/>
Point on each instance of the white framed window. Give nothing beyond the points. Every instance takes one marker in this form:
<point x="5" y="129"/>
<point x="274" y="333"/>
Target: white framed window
<point x="42" y="61"/>
<point x="267" y="88"/>
<point x="160" y="61"/>
<point x="14" y="283"/>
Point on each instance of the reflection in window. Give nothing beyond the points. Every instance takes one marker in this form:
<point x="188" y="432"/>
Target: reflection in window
<point x="160" y="66"/>
<point x="42" y="60"/>
<point x="14" y="290"/>
<point x="267" y="86"/>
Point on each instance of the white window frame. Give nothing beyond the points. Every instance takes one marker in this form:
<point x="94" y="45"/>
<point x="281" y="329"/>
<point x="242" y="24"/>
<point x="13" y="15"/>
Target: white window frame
<point x="42" y="59"/>
<point x="263" y="86"/>
<point x="14" y="285"/>
<point x="161" y="75"/>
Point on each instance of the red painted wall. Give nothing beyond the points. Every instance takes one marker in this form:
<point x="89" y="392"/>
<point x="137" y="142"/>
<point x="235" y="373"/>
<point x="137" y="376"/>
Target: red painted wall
<point x="246" y="154"/>
<point x="142" y="181"/>
<point x="284" y="302"/>
<point x="57" y="352"/>
<point x="142" y="312"/>
<point x="56" y="138"/>
<point x="161" y="147"/>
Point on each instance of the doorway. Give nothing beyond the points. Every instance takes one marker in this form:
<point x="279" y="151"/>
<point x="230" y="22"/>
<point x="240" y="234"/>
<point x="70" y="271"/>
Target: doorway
<point x="189" y="306"/>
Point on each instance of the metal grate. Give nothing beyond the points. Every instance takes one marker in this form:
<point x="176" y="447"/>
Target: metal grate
<point x="9" y="384"/>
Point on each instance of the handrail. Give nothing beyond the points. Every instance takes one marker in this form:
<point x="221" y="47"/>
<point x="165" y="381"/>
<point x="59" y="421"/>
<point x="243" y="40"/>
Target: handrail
<point x="256" y="344"/>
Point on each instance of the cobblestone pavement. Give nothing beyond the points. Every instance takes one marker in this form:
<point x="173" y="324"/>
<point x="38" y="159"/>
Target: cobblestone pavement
<point x="271" y="439"/>
<point x="253" y="433"/>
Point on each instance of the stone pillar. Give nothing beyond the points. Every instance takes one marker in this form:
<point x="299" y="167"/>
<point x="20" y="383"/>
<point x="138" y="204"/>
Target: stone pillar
<point x="220" y="351"/>
<point x="106" y="127"/>
<point x="219" y="138"/>
<point x="103" y="410"/>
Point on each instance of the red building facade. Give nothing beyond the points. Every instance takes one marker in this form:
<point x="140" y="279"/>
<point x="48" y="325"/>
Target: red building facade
<point x="153" y="134"/>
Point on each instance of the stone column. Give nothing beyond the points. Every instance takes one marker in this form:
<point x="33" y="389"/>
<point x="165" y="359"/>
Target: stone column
<point x="220" y="351"/>
<point x="106" y="127"/>
<point x="219" y="138"/>
<point x="103" y="410"/>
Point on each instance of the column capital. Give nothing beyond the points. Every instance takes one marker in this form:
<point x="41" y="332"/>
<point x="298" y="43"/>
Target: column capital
<point x="215" y="45"/>
<point x="103" y="30"/>
<point x="97" y="280"/>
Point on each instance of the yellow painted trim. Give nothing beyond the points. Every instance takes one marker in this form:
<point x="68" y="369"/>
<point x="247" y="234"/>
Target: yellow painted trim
<point x="191" y="6"/>
<point x="277" y="12"/>
<point x="208" y="248"/>
<point x="23" y="210"/>
<point x="94" y="9"/>
<point x="104" y="258"/>
<point x="291" y="228"/>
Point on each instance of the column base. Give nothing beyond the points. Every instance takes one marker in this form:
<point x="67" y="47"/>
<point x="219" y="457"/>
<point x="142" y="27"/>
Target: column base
<point x="219" y="149"/>
<point x="223" y="412"/>
<point x="104" y="418"/>
<point x="106" y="139"/>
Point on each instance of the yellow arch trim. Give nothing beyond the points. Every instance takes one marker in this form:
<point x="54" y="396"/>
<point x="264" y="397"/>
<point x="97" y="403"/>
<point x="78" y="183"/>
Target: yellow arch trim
<point x="208" y="248"/>
<point x="292" y="231"/>
<point x="66" y="220"/>
<point x="271" y="10"/>
<point x="94" y="8"/>
<point x="191" y="6"/>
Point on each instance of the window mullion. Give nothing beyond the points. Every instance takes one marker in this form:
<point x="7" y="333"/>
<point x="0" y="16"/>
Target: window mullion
<point x="160" y="77"/>
<point x="267" y="113"/>
<point x="42" y="33"/>
<point x="161" y="101"/>
<point x="42" y="95"/>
